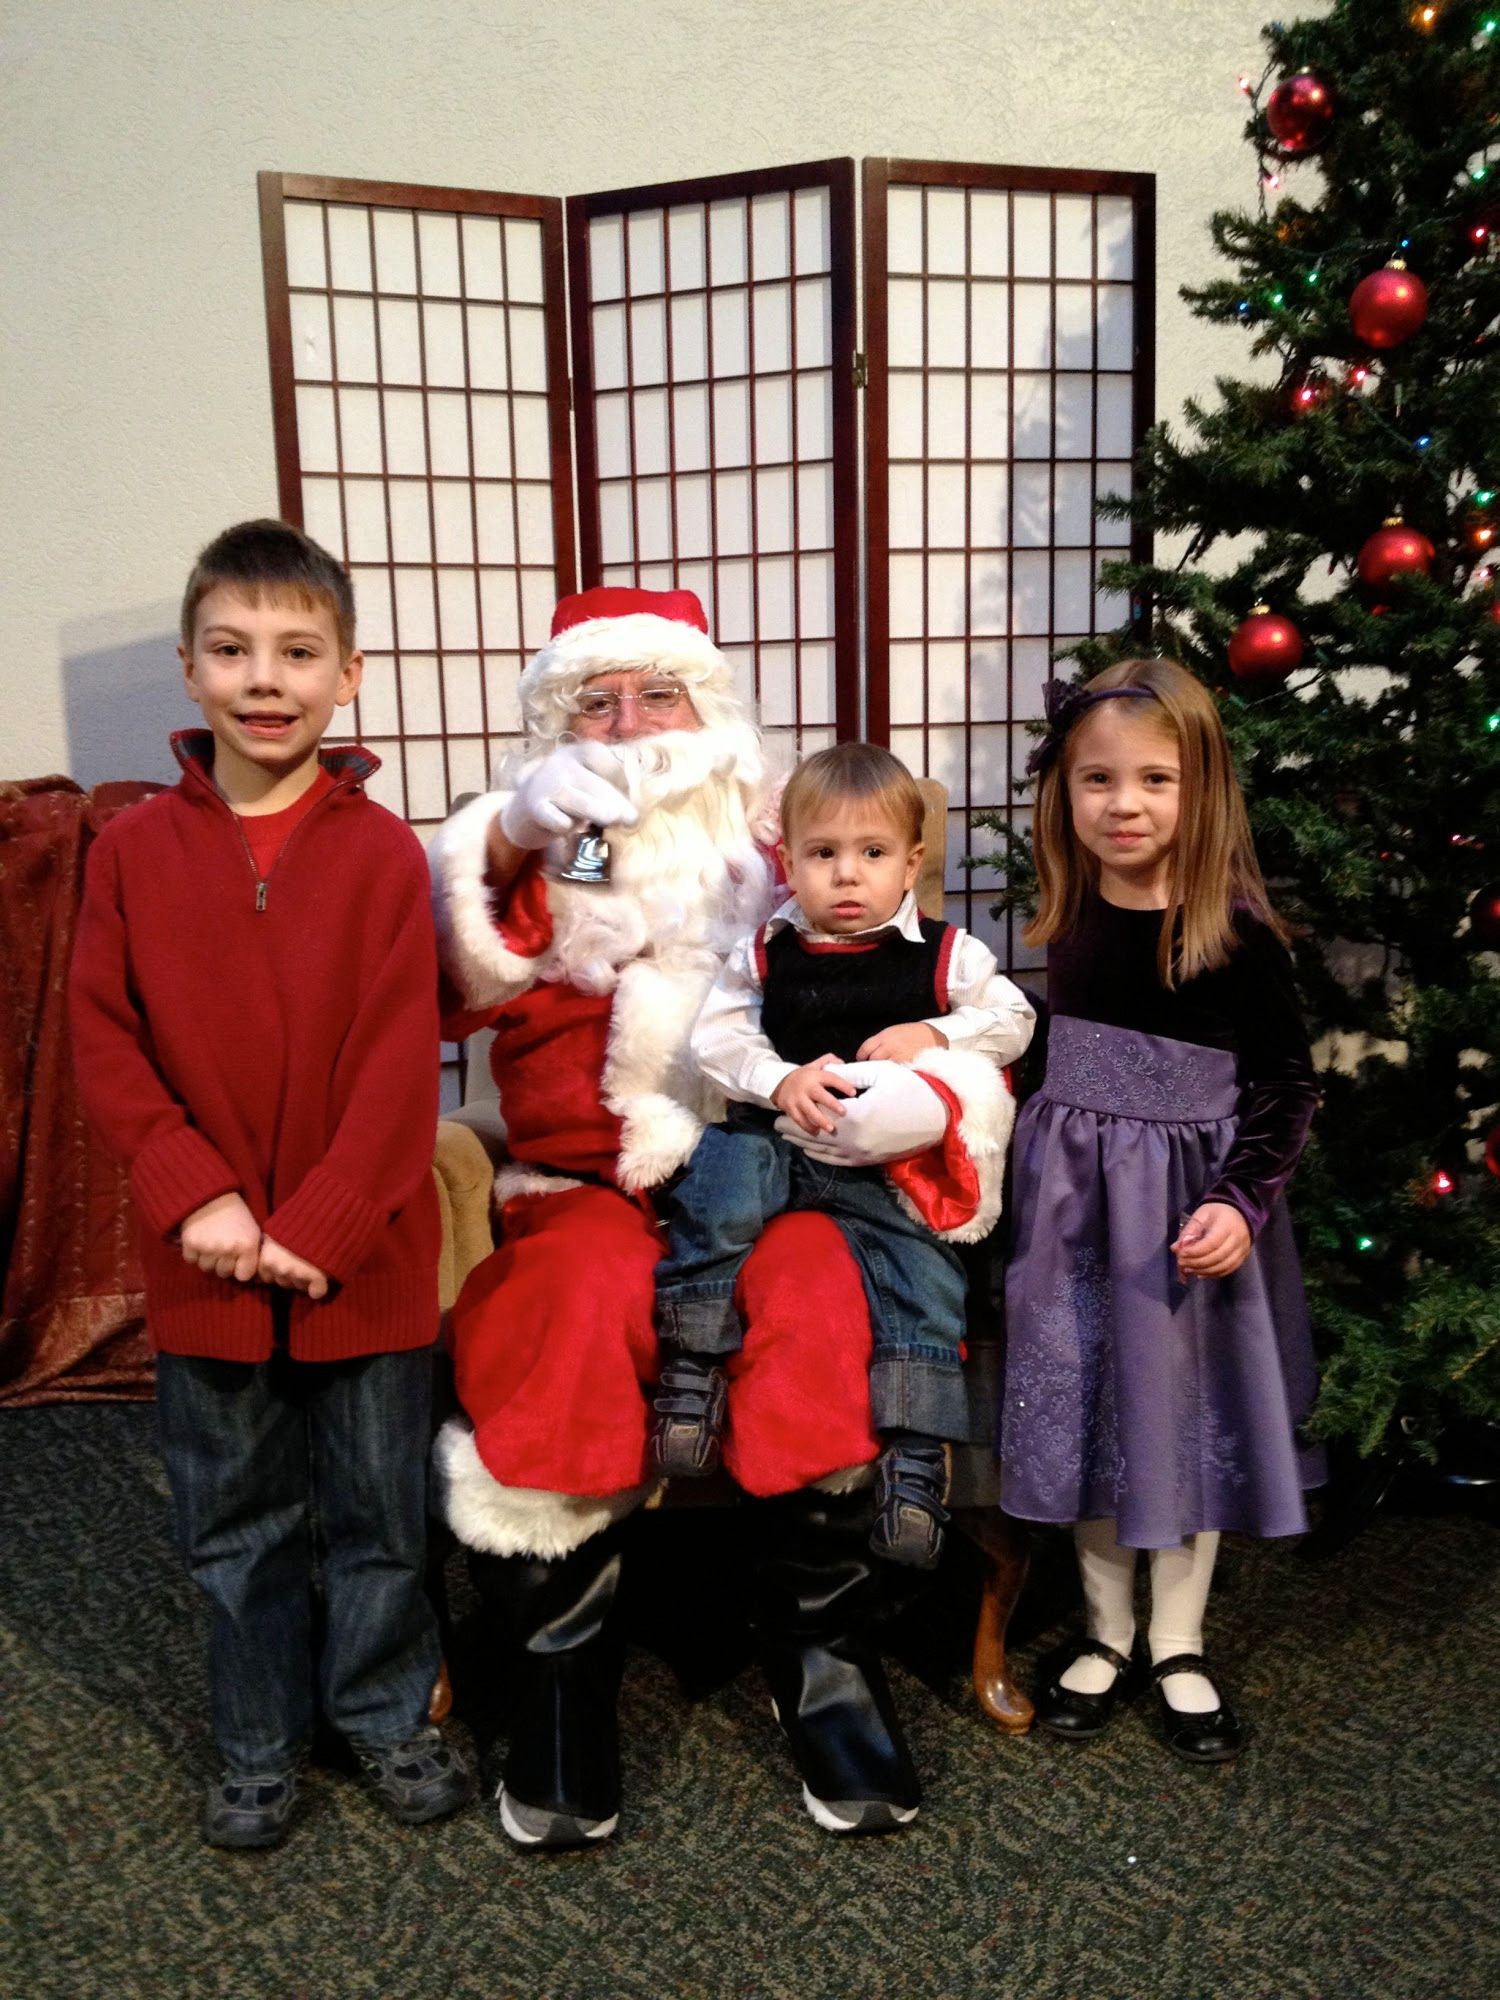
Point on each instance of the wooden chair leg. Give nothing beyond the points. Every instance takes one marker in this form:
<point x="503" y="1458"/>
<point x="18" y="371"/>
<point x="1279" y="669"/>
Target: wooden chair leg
<point x="1007" y="1559"/>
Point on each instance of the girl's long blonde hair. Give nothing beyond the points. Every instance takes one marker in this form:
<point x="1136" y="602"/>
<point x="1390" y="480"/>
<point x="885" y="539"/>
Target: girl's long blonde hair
<point x="1214" y="869"/>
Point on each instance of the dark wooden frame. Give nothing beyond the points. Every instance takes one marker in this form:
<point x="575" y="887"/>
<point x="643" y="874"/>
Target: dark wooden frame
<point x="837" y="176"/>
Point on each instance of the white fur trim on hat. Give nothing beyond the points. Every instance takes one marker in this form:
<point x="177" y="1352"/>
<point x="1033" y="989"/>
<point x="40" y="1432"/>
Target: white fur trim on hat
<point x="515" y="1520"/>
<point x="988" y="1115"/>
<point x="641" y="640"/>
<point x="480" y="963"/>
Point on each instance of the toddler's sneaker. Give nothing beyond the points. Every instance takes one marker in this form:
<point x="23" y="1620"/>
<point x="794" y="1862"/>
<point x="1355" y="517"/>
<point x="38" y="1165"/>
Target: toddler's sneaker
<point x="249" y="1810"/>
<point x="688" y="1414"/>
<point x="911" y="1484"/>
<point x="421" y="1779"/>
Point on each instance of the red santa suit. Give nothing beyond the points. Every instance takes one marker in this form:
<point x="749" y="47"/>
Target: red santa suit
<point x="592" y="992"/>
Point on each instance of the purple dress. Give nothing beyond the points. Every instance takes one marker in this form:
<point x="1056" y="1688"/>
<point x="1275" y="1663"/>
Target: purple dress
<point x="1168" y="1407"/>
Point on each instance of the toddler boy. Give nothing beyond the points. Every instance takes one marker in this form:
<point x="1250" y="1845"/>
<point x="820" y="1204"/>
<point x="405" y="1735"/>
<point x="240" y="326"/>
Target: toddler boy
<point x="845" y="970"/>
<point x="254" y="1006"/>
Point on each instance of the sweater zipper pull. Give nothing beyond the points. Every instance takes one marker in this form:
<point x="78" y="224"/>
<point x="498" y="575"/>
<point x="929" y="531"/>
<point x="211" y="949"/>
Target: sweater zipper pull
<point x="260" y="896"/>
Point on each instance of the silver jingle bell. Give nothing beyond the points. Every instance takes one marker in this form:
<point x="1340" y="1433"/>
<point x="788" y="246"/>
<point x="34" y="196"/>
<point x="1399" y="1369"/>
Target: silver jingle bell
<point x="589" y="861"/>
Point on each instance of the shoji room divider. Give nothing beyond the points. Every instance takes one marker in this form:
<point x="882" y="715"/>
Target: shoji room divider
<point x="892" y="530"/>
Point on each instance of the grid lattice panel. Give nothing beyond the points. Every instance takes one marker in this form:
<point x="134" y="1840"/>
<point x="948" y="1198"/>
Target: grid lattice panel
<point x="1013" y="330"/>
<point x="425" y="434"/>
<point x="709" y="383"/>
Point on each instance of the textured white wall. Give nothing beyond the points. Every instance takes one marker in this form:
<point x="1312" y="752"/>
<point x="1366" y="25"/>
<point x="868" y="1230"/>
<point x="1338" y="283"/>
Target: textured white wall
<point x="136" y="408"/>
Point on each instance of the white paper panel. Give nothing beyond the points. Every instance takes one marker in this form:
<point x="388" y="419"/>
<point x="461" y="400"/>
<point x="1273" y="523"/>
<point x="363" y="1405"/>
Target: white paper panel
<point x="305" y="261"/>
<point x="437" y="255"/>
<point x="395" y="251"/>
<point x="811" y="227"/>
<point x="479" y="238"/>
<point x="814" y="322"/>
<point x="685" y="241"/>
<point x="349" y="248"/>
<point x="525" y="277"/>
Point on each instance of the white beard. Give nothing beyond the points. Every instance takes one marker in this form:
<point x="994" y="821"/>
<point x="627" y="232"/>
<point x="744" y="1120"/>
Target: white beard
<point x="686" y="880"/>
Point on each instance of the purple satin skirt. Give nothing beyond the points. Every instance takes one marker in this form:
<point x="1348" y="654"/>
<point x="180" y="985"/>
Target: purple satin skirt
<point x="1129" y="1395"/>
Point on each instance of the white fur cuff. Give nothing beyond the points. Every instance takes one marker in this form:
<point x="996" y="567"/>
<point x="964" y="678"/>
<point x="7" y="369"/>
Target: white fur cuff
<point x="480" y="963"/>
<point x="515" y="1520"/>
<point x="988" y="1114"/>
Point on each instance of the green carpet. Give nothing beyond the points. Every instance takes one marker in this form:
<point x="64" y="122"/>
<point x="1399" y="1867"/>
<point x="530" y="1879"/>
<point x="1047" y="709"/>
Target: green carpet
<point x="1351" y="1852"/>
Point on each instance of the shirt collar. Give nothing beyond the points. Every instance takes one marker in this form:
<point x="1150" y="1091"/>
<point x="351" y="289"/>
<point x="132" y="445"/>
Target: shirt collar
<point x="907" y="922"/>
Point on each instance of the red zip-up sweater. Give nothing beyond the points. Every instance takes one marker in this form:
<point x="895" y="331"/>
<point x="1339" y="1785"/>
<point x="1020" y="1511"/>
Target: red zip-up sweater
<point x="278" y="1038"/>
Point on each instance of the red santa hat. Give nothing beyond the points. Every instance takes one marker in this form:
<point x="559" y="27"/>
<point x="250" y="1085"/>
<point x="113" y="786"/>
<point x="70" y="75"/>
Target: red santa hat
<point x="609" y="629"/>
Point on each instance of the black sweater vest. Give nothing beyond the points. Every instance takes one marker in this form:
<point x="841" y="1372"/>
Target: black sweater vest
<point x="822" y="999"/>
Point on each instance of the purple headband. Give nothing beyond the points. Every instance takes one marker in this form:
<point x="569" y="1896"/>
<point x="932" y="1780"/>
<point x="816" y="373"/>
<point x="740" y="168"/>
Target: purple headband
<point x="1065" y="702"/>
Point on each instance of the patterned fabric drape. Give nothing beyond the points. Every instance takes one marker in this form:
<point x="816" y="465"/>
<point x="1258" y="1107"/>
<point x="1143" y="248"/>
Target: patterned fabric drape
<point x="72" y="1327"/>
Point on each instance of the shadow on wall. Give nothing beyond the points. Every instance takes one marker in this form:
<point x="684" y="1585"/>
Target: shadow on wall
<point x="123" y="695"/>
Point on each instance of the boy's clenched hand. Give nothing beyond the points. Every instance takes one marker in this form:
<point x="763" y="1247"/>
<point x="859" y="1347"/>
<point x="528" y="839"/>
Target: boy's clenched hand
<point x="280" y="1266"/>
<point x="901" y="1043"/>
<point x="806" y="1095"/>
<point x="223" y="1238"/>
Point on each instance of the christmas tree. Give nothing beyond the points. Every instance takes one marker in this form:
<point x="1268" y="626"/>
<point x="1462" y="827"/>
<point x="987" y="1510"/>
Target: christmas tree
<point x="1341" y="510"/>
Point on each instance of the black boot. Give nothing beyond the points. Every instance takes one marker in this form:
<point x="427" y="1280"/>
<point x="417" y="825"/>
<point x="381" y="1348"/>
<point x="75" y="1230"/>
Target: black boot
<point x="561" y="1783"/>
<point x="816" y="1591"/>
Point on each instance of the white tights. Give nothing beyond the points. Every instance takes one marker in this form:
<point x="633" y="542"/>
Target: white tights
<point x="1180" y="1579"/>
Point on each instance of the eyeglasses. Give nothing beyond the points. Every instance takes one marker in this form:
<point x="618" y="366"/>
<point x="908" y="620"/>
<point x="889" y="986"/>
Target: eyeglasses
<point x="658" y="700"/>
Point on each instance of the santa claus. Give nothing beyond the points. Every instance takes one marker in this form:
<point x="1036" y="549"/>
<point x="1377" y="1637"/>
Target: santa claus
<point x="591" y="990"/>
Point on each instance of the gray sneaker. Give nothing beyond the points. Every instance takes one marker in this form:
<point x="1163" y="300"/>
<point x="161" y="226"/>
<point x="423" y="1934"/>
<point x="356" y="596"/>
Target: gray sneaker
<point x="249" y="1811"/>
<point x="421" y="1779"/>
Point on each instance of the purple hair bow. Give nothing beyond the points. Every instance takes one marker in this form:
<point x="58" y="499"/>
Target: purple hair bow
<point x="1063" y="703"/>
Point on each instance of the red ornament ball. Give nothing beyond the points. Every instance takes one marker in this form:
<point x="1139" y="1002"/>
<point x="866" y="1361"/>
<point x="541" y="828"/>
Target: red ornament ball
<point x="1492" y="1151"/>
<point x="1266" y="647"/>
<point x="1484" y="918"/>
<point x="1392" y="555"/>
<point x="1388" y="306"/>
<point x="1299" y="112"/>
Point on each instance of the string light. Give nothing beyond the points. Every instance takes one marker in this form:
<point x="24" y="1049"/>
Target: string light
<point x="1278" y="298"/>
<point x="1442" y="1183"/>
<point x="1423" y="442"/>
<point x="1364" y="1242"/>
<point x="1243" y="83"/>
<point x="1492" y="724"/>
<point x="1425" y="16"/>
<point x="1483" y="499"/>
<point x="1273" y="181"/>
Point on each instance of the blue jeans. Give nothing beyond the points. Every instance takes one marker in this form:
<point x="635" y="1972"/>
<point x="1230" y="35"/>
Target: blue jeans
<point x="279" y="1468"/>
<point x="742" y="1174"/>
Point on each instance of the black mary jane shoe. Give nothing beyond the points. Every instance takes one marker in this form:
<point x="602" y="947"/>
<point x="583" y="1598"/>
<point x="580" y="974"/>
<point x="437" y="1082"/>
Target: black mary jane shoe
<point x="1203" y="1736"/>
<point x="1068" y="1712"/>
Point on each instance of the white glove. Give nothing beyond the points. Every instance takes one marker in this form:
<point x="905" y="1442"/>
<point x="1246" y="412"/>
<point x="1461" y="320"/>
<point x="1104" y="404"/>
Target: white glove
<point x="576" y="785"/>
<point x="895" y="1116"/>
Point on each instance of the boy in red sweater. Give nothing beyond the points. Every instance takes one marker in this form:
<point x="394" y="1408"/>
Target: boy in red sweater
<point x="254" y="1003"/>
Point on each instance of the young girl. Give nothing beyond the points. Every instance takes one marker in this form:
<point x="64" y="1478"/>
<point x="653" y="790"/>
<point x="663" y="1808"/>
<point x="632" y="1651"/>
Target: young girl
<point x="1159" y="1357"/>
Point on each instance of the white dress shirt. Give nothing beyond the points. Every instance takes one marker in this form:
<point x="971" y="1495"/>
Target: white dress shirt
<point x="990" y="1014"/>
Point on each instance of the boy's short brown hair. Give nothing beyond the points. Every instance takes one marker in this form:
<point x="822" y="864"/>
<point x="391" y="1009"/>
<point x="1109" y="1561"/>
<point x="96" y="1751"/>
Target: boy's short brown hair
<point x="850" y="771"/>
<point x="256" y="556"/>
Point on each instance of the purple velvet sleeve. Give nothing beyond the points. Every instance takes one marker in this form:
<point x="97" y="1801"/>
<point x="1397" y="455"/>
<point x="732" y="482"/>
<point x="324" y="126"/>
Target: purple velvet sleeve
<point x="1279" y="1087"/>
